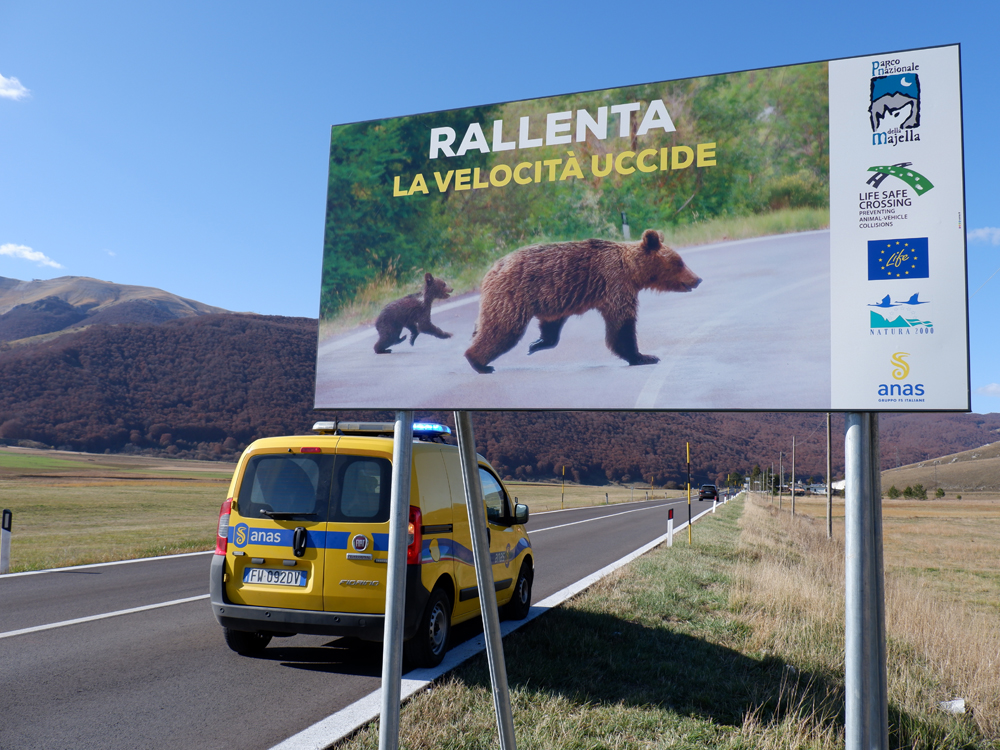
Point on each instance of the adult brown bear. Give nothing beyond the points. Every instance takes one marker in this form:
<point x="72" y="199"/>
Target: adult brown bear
<point x="552" y="282"/>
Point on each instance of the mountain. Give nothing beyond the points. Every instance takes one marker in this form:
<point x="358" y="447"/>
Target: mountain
<point x="35" y="308"/>
<point x="204" y="386"/>
<point x="976" y="469"/>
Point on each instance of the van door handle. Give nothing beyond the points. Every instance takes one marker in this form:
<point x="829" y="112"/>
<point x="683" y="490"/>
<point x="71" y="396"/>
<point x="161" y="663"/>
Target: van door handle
<point x="489" y="537"/>
<point x="299" y="541"/>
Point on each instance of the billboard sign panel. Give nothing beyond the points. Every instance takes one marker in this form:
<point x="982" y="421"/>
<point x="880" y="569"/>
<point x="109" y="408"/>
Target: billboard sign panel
<point x="780" y="239"/>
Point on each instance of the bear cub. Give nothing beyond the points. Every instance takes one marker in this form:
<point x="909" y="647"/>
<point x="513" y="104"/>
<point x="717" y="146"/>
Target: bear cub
<point x="551" y="282"/>
<point x="413" y="313"/>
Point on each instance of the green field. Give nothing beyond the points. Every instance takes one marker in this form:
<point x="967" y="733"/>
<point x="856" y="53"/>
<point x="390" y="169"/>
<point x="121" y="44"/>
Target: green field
<point x="76" y="508"/>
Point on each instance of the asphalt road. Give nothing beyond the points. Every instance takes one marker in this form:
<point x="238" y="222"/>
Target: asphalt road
<point x="163" y="677"/>
<point x="754" y="335"/>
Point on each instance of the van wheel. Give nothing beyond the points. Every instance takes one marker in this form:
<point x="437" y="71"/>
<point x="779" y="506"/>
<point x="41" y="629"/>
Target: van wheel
<point x="519" y="604"/>
<point x="428" y="647"/>
<point x="245" y="643"/>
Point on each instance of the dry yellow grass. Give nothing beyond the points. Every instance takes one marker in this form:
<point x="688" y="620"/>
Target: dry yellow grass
<point x="789" y="588"/>
<point x="951" y="547"/>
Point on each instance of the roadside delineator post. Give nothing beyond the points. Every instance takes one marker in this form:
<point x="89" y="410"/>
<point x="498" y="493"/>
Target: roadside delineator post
<point x="5" y="542"/>
<point x="670" y="527"/>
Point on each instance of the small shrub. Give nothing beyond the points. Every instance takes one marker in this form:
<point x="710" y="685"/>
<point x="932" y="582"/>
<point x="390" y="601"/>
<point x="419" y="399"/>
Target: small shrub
<point x="939" y="493"/>
<point x="958" y="497"/>
<point x="893" y="493"/>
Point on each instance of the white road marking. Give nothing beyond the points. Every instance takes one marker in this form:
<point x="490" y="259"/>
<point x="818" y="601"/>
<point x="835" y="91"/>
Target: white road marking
<point x="105" y="564"/>
<point x="335" y="727"/>
<point x="78" y="620"/>
<point x="598" y="518"/>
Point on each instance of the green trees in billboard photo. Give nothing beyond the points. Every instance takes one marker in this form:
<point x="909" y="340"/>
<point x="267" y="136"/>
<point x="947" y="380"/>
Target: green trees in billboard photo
<point x="450" y="192"/>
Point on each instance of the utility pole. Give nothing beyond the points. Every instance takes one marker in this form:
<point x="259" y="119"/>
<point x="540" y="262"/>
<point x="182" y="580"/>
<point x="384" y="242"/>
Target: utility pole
<point x="689" y="491"/>
<point x="829" y="481"/>
<point x="793" y="475"/>
<point x="562" y="502"/>
<point x="781" y="478"/>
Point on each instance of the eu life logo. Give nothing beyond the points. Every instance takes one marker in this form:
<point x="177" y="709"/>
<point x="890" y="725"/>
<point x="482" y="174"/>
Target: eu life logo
<point x="898" y="259"/>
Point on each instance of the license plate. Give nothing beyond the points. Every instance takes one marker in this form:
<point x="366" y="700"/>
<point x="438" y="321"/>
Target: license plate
<point x="276" y="577"/>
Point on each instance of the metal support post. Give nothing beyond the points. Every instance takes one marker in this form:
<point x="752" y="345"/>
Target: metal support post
<point x="484" y="579"/>
<point x="866" y="696"/>
<point x="392" y="638"/>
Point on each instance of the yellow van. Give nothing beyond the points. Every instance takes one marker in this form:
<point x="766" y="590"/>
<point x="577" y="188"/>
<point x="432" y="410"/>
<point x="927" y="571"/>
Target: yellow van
<point x="303" y="540"/>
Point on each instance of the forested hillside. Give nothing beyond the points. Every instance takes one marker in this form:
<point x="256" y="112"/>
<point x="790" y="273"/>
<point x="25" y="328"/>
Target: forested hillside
<point x="204" y="387"/>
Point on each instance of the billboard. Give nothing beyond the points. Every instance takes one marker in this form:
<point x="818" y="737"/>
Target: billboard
<point x="781" y="239"/>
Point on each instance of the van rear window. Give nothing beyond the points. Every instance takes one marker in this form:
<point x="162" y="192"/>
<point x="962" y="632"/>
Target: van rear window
<point x="361" y="489"/>
<point x="298" y="485"/>
<point x="316" y="487"/>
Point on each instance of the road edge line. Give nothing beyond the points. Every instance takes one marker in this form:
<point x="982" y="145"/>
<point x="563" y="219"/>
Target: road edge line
<point x="103" y="564"/>
<point x="104" y="616"/>
<point x="349" y="719"/>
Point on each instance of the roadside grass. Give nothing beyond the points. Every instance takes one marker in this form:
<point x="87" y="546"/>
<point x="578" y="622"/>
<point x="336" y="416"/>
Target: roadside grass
<point x="734" y="642"/>
<point x="370" y="299"/>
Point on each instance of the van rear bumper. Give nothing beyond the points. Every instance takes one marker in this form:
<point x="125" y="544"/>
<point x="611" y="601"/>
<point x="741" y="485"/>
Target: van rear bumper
<point x="368" y="627"/>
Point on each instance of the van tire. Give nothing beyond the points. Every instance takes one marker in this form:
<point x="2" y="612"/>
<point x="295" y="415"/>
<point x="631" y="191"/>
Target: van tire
<point x="246" y="643"/>
<point x="428" y="647"/>
<point x="520" y="602"/>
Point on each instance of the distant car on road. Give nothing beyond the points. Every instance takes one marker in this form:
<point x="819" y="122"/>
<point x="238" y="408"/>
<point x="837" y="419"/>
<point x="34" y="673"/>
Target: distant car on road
<point x="708" y="492"/>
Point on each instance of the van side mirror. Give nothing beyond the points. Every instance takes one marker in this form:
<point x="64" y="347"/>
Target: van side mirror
<point x="520" y="513"/>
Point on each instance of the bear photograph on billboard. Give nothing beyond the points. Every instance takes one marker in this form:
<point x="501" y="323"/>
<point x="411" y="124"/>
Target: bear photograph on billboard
<point x="658" y="246"/>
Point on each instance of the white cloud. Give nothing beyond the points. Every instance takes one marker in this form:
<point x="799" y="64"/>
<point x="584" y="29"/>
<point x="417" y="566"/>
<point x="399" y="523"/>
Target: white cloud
<point x="993" y="389"/>
<point x="990" y="235"/>
<point x="26" y="253"/>
<point x="11" y="88"/>
<point x="110" y="252"/>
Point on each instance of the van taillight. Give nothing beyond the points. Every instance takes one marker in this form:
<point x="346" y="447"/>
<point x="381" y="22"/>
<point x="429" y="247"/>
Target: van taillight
<point x="222" y="537"/>
<point x="414" y="542"/>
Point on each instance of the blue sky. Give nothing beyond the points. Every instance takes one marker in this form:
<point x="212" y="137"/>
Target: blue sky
<point x="184" y="145"/>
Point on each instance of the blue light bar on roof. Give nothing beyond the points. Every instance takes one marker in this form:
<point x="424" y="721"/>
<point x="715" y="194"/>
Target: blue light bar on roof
<point x="430" y="428"/>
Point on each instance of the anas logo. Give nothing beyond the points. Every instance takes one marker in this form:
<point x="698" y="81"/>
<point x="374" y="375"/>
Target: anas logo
<point x="900" y="368"/>
<point x="240" y="535"/>
<point x="900" y="392"/>
<point x="898" y="259"/>
<point x="894" y="103"/>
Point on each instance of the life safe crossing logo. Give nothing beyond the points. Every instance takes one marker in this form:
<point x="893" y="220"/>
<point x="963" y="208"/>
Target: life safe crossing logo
<point x="879" y="209"/>
<point x="894" y="107"/>
<point x="900" y="392"/>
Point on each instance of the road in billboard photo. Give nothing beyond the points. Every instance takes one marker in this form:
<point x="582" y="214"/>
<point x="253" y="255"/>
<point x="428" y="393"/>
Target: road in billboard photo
<point x="666" y="246"/>
<point x="748" y="335"/>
